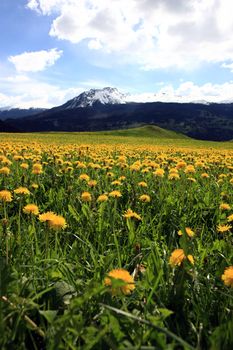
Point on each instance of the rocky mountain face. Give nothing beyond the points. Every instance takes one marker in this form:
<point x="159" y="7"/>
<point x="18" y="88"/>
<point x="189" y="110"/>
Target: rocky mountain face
<point x="89" y="98"/>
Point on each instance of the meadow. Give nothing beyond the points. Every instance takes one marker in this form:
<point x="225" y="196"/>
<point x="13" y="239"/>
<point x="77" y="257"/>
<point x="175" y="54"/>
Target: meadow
<point x="115" y="240"/>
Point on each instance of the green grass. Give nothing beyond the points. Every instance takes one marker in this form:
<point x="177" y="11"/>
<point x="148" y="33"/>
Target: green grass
<point x="140" y="135"/>
<point x="147" y="131"/>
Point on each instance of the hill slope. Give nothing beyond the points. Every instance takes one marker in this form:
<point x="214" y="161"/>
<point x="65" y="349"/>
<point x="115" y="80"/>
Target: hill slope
<point x="146" y="131"/>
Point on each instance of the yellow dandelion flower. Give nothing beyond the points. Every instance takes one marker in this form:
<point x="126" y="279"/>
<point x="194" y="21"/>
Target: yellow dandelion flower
<point x="123" y="276"/>
<point x="57" y="222"/>
<point x="80" y="165"/>
<point x="224" y="206"/>
<point x="130" y="214"/>
<point x="34" y="186"/>
<point x="31" y="209"/>
<point x="116" y="183"/>
<point x="227" y="276"/>
<point x="178" y="256"/>
<point x="115" y="194"/>
<point x="173" y="176"/>
<point x="5" y="196"/>
<point x="204" y="175"/>
<point x="142" y="184"/>
<point x="230" y="218"/>
<point x="189" y="231"/>
<point x="145" y="198"/>
<point x="86" y="197"/>
<point x="46" y="216"/>
<point x="145" y="170"/>
<point x="84" y="177"/>
<point x="122" y="158"/>
<point x="68" y="169"/>
<point x="189" y="169"/>
<point x="37" y="169"/>
<point x="5" y="170"/>
<point x="6" y="161"/>
<point x="24" y="166"/>
<point x="159" y="172"/>
<point x="22" y="190"/>
<point x="223" y="228"/>
<point x="191" y="179"/>
<point x="110" y="174"/>
<point x="173" y="170"/>
<point x="17" y="158"/>
<point x="190" y="258"/>
<point x="102" y="198"/>
<point x="135" y="167"/>
<point x="181" y="164"/>
<point x="92" y="183"/>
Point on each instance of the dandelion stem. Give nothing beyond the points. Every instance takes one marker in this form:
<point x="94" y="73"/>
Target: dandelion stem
<point x="29" y="321"/>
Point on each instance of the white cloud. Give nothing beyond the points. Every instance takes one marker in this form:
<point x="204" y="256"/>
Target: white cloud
<point x="25" y="92"/>
<point x="35" y="61"/>
<point x="16" y="78"/>
<point x="33" y="5"/>
<point x="151" y="33"/>
<point x="189" y="92"/>
<point x="46" y="7"/>
<point x="228" y="66"/>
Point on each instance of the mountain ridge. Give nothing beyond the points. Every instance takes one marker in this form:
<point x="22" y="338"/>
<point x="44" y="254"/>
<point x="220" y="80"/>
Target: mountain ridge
<point x="15" y="113"/>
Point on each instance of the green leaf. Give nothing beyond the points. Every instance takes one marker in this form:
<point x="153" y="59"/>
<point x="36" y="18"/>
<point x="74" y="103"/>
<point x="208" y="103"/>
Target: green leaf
<point x="49" y="315"/>
<point x="73" y="213"/>
<point x="165" y="312"/>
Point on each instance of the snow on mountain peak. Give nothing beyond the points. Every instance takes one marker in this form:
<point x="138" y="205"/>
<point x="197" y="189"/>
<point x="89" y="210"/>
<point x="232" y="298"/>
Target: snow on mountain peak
<point x="107" y="95"/>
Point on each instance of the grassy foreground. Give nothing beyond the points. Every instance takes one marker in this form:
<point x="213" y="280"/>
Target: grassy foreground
<point x="115" y="241"/>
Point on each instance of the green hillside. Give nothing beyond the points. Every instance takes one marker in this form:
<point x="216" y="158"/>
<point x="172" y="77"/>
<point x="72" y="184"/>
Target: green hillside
<point x="145" y="131"/>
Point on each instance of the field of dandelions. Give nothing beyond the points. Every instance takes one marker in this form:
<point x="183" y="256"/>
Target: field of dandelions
<point x="115" y="245"/>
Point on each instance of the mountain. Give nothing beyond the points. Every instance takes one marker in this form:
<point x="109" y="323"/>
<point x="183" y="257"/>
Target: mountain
<point x="15" y="113"/>
<point x="89" y="98"/>
<point x="108" y="109"/>
<point x="5" y="127"/>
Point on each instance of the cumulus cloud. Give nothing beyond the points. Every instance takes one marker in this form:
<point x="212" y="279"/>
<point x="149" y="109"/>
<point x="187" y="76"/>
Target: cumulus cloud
<point x="151" y="33"/>
<point x="25" y="92"/>
<point x="46" y="7"/>
<point x="188" y="92"/>
<point x="33" y="5"/>
<point x="35" y="61"/>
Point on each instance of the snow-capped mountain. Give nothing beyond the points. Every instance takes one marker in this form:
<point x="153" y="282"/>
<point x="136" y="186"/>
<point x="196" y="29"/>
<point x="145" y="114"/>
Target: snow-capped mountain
<point x="104" y="96"/>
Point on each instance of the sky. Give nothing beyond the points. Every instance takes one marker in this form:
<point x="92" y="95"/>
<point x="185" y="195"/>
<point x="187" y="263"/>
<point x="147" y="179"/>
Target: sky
<point x="165" y="50"/>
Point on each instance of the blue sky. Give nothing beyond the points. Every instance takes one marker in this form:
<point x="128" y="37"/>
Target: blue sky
<point x="168" y="50"/>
